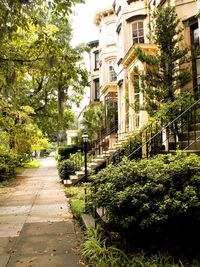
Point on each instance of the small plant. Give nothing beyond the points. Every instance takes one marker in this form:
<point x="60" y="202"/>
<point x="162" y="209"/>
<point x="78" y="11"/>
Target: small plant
<point x="96" y="252"/>
<point x="77" y="207"/>
<point x="77" y="199"/>
<point x="66" y="168"/>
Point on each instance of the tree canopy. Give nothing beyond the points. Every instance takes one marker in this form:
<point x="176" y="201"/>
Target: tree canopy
<point x="38" y="68"/>
<point x="166" y="71"/>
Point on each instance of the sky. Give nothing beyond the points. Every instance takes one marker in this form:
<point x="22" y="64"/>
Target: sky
<point x="84" y="29"/>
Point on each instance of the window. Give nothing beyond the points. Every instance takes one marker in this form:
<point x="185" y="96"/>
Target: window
<point x="138" y="32"/>
<point x="97" y="91"/>
<point x="96" y="60"/>
<point x="111" y="71"/>
<point x="110" y="34"/>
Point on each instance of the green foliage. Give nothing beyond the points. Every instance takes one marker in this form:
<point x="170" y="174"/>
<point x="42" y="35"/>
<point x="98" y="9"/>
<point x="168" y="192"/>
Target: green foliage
<point x="64" y="152"/>
<point x="75" y="191"/>
<point x="38" y="63"/>
<point x="77" y="200"/>
<point x="94" y="119"/>
<point x="170" y="110"/>
<point x="166" y="70"/>
<point x="66" y="168"/>
<point x="77" y="206"/>
<point x="152" y="202"/>
<point x="8" y="162"/>
<point x="32" y="164"/>
<point x="96" y="251"/>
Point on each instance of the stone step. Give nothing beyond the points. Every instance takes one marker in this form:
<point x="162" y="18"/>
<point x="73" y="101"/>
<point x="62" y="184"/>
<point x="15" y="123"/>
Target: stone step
<point x="191" y="135"/>
<point x="88" y="221"/>
<point x="195" y="126"/>
<point x="80" y="173"/>
<point x="99" y="160"/>
<point x="73" y="177"/>
<point x="68" y="183"/>
<point x="194" y="145"/>
<point x="89" y="167"/>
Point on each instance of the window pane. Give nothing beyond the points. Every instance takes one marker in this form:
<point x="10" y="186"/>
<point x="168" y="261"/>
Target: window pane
<point x="141" y="40"/>
<point x="138" y="32"/>
<point x="134" y="26"/>
<point x="141" y="32"/>
<point x="135" y="34"/>
<point x="140" y="25"/>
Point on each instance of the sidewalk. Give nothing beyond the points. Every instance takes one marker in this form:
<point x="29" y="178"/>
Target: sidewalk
<point x="36" y="226"/>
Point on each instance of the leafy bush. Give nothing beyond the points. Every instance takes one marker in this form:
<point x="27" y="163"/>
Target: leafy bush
<point x="152" y="203"/>
<point x="66" y="168"/>
<point x="8" y="163"/>
<point x="64" y="152"/>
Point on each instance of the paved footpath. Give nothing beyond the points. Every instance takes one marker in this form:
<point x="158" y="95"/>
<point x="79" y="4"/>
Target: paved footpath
<point x="36" y="226"/>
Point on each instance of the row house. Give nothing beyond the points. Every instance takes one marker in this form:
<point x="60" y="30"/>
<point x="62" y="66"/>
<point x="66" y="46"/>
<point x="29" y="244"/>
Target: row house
<point x="114" y="81"/>
<point x="116" y="84"/>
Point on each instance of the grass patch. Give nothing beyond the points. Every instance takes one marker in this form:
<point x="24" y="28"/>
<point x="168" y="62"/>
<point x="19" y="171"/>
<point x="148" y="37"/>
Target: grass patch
<point x="76" y="195"/>
<point x="77" y="206"/>
<point x="75" y="191"/>
<point x="32" y="164"/>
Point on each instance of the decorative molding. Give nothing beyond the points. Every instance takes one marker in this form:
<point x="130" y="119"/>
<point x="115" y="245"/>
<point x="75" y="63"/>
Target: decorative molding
<point x="119" y="61"/>
<point x="119" y="28"/>
<point x="118" y="10"/>
<point x="136" y="17"/>
<point x="120" y="82"/>
<point x="131" y="1"/>
<point x="94" y="43"/>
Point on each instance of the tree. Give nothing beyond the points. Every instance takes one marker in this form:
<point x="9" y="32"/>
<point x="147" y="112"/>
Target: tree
<point x="166" y="71"/>
<point x="38" y="68"/>
<point x="94" y="120"/>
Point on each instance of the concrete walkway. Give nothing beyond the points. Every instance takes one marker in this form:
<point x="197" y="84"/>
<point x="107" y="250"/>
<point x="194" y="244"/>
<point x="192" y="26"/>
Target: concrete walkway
<point x="36" y="226"/>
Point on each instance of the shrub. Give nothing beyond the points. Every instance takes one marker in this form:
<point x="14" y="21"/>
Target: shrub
<point x="64" y="152"/>
<point x="8" y="163"/>
<point x="152" y="203"/>
<point x="66" y="168"/>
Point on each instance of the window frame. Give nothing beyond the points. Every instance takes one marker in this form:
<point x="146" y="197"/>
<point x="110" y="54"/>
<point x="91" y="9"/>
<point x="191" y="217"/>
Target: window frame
<point x="96" y="60"/>
<point x="112" y="75"/>
<point x="96" y="89"/>
<point x="138" y="35"/>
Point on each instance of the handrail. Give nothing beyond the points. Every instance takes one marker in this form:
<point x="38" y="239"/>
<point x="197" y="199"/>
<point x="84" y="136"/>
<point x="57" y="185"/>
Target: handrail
<point x="197" y="139"/>
<point x="165" y="127"/>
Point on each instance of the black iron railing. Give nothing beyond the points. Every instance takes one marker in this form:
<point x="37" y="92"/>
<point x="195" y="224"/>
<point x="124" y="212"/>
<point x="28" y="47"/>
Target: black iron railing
<point x="181" y="133"/>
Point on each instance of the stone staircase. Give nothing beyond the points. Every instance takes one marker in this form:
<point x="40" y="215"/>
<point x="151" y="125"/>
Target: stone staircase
<point x="98" y="161"/>
<point x="189" y="140"/>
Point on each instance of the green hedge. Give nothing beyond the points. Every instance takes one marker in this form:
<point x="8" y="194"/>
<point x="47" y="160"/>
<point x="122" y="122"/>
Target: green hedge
<point x="152" y="203"/>
<point x="64" y="152"/>
<point x="8" y="163"/>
